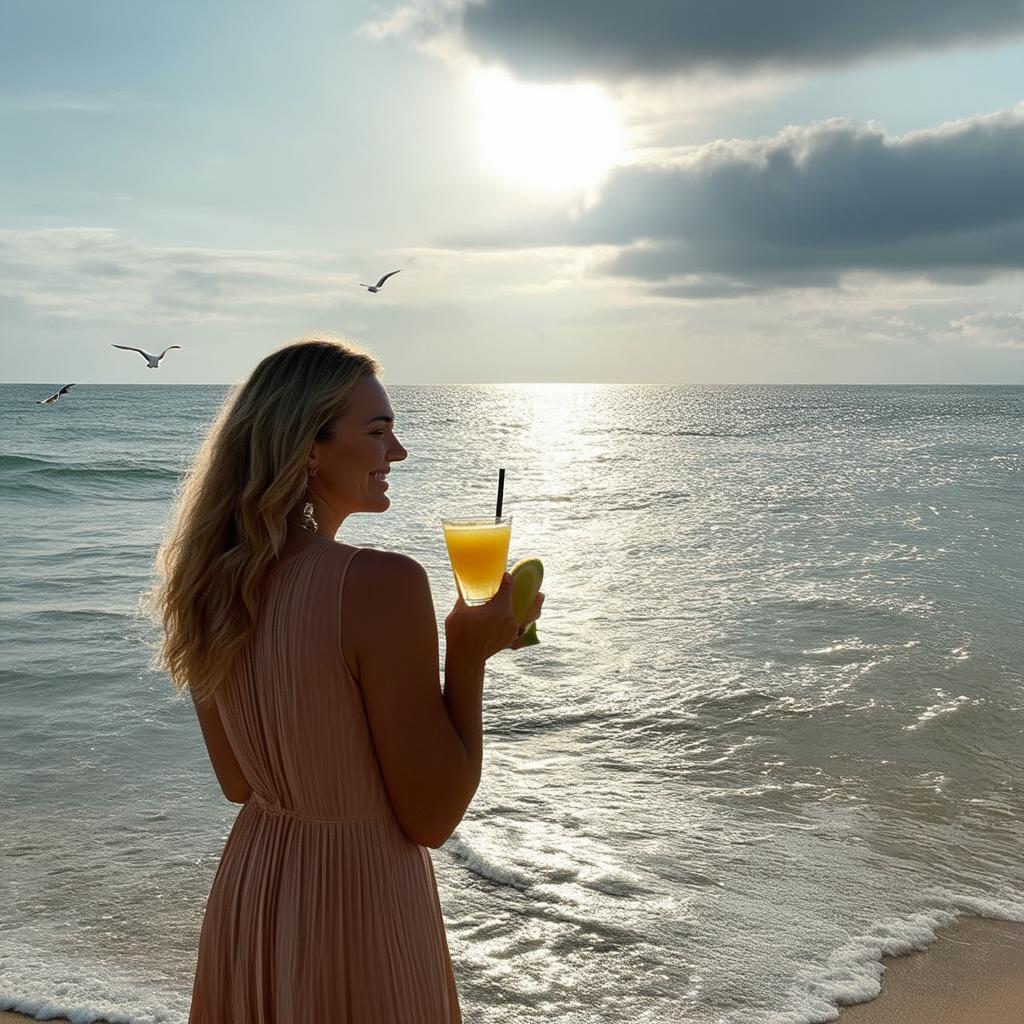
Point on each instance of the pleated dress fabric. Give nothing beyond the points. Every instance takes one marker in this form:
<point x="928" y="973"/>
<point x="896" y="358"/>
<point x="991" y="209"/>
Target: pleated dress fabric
<point x="322" y="911"/>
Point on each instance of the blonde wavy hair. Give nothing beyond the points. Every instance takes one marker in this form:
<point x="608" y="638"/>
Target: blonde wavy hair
<point x="230" y="521"/>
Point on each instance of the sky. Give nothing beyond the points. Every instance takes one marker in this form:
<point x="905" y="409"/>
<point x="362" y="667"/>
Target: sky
<point x="665" y="191"/>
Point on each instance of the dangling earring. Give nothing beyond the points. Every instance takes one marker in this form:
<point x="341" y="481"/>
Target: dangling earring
<point x="308" y="518"/>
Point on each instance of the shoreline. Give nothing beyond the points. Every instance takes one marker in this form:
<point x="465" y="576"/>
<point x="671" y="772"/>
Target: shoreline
<point x="969" y="974"/>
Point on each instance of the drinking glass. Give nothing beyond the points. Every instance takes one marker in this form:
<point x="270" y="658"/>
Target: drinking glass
<point x="478" y="551"/>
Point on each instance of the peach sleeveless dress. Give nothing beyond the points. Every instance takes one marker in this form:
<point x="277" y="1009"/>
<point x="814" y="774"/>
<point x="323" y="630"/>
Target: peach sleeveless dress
<point x="322" y="911"/>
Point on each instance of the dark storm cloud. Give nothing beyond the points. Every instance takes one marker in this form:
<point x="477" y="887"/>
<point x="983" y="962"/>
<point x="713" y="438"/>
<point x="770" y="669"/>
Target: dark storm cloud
<point x="541" y="39"/>
<point x="809" y="204"/>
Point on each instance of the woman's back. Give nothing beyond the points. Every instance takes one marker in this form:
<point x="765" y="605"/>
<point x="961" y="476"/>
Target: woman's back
<point x="322" y="908"/>
<point x="292" y="711"/>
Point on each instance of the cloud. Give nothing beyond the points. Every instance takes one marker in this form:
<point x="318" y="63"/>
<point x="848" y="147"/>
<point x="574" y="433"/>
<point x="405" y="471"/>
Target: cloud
<point x="611" y="40"/>
<point x="992" y="330"/>
<point x="103" y="274"/>
<point x="806" y="206"/>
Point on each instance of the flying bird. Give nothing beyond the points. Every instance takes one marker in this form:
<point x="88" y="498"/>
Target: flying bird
<point x="56" y="395"/>
<point x="380" y="284"/>
<point x="152" y="361"/>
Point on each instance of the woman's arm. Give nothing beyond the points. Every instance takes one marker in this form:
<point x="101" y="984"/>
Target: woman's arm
<point x="428" y="744"/>
<point x="225" y="765"/>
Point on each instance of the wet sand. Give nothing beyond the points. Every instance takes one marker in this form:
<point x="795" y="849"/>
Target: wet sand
<point x="8" y="1017"/>
<point x="972" y="973"/>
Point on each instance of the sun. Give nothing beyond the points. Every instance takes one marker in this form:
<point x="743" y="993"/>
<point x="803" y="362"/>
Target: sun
<point x="546" y="138"/>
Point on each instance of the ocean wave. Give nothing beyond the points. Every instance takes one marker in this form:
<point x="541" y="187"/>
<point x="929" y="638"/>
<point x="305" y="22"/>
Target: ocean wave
<point x="853" y="974"/>
<point x="486" y="867"/>
<point x="640" y="432"/>
<point x="50" y="616"/>
<point x="45" y="986"/>
<point x="546" y="873"/>
<point x="946" y="705"/>
<point x="33" y="585"/>
<point x="20" y="467"/>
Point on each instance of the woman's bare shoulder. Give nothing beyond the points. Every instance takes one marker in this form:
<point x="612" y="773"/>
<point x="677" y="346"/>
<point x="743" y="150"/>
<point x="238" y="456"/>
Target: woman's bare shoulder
<point x="384" y="591"/>
<point x="338" y="554"/>
<point x="376" y="570"/>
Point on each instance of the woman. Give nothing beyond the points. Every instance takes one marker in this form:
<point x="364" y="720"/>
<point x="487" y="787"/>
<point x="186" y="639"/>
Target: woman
<point x="313" y="667"/>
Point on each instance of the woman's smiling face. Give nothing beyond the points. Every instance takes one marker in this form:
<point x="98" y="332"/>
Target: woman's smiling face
<point x="354" y="457"/>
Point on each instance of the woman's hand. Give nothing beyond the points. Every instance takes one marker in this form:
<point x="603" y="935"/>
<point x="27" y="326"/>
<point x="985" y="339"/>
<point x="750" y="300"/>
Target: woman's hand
<point x="483" y="630"/>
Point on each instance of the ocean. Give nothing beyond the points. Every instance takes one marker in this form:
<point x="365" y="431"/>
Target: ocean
<point x="773" y="729"/>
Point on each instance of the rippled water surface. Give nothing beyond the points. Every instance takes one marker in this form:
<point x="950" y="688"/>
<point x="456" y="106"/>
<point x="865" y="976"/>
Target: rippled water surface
<point x="773" y="728"/>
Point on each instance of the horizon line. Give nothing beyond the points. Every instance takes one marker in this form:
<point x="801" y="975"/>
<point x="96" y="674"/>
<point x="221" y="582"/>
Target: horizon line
<point x="573" y="383"/>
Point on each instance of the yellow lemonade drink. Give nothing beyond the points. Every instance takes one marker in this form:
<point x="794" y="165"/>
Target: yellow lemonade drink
<point x="478" y="550"/>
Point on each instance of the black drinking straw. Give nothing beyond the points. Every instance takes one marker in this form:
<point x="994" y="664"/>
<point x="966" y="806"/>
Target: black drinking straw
<point x="501" y="493"/>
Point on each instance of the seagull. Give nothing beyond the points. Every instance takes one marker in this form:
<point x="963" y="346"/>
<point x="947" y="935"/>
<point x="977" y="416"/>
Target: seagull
<point x="56" y="395"/>
<point x="380" y="284"/>
<point x="152" y="361"/>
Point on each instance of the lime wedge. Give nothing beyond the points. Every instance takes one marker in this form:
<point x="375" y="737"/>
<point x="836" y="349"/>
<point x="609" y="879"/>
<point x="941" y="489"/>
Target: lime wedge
<point x="529" y="637"/>
<point x="527" y="576"/>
